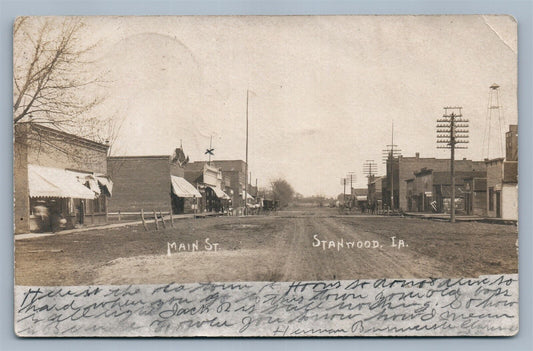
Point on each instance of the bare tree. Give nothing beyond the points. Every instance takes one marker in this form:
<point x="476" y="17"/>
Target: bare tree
<point x="282" y="191"/>
<point x="56" y="84"/>
<point x="53" y="81"/>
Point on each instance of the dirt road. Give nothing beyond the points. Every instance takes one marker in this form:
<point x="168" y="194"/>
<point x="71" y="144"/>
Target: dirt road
<point x="296" y="245"/>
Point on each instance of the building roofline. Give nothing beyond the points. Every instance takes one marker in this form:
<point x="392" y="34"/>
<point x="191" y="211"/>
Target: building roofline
<point x="436" y="159"/>
<point x="235" y="160"/>
<point x="75" y="137"/>
<point x="138" y="157"/>
<point x="492" y="160"/>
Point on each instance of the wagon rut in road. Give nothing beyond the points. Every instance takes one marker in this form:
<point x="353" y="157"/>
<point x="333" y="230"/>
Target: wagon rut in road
<point x="302" y="261"/>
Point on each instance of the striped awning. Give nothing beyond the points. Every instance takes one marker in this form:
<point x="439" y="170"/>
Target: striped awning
<point x="248" y="196"/>
<point x="106" y="183"/>
<point x="182" y="188"/>
<point x="219" y="193"/>
<point x="55" y="182"/>
<point x="87" y="179"/>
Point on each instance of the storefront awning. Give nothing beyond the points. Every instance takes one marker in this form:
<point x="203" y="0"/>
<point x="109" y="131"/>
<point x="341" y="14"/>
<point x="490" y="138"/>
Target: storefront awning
<point x="247" y="195"/>
<point x="182" y="188"/>
<point x="219" y="193"/>
<point x="105" y="183"/>
<point x="88" y="180"/>
<point x="55" y="182"/>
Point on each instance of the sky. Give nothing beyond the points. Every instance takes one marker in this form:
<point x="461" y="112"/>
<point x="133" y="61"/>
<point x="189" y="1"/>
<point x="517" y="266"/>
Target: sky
<point x="323" y="91"/>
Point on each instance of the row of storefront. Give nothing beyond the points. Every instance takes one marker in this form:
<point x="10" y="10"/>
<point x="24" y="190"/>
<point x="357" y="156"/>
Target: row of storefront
<point x="485" y="188"/>
<point x="62" y="181"/>
<point x="60" y="198"/>
<point x="166" y="183"/>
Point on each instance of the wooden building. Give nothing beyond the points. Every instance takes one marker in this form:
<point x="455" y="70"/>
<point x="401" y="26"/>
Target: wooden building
<point x="233" y="174"/>
<point x="430" y="191"/>
<point x="209" y="181"/>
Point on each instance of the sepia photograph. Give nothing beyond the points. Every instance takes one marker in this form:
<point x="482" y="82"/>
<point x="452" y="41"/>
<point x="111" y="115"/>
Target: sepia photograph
<point x="281" y="176"/>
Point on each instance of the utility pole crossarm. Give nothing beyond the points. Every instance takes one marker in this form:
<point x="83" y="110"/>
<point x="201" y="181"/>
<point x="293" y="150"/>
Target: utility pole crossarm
<point x="452" y="129"/>
<point x="390" y="153"/>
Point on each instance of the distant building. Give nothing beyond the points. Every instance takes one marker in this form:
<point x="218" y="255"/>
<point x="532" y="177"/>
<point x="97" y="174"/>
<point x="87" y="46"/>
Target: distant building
<point x="150" y="183"/>
<point x="430" y="191"/>
<point x="476" y="195"/>
<point x="360" y="197"/>
<point x="233" y="173"/>
<point x="208" y="179"/>
<point x="360" y="193"/>
<point x="375" y="191"/>
<point x="60" y="180"/>
<point x="502" y="180"/>
<point x="402" y="169"/>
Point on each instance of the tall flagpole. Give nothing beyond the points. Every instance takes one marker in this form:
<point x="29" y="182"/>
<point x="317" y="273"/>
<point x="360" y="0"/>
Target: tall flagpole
<point x="246" y="164"/>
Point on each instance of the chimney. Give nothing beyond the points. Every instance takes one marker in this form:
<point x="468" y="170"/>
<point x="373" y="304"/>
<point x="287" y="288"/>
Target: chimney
<point x="417" y="155"/>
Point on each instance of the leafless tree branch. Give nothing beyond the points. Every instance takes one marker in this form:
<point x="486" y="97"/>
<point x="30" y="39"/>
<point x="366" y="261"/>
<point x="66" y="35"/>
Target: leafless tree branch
<point x="51" y="74"/>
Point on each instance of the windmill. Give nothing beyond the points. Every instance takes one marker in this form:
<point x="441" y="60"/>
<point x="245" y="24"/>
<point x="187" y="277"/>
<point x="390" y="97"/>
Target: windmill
<point x="493" y="144"/>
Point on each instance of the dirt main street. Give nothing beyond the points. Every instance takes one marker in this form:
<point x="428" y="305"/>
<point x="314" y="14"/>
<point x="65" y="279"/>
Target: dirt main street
<point x="313" y="244"/>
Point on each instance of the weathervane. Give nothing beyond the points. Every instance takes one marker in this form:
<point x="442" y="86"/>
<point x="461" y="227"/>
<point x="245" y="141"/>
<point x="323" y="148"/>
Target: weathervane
<point x="210" y="151"/>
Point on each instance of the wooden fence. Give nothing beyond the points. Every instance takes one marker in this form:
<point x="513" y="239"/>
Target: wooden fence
<point x="157" y="217"/>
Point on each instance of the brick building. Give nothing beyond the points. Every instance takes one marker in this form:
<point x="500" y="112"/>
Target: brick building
<point x="150" y="183"/>
<point x="60" y="180"/>
<point x="502" y="180"/>
<point x="402" y="169"/>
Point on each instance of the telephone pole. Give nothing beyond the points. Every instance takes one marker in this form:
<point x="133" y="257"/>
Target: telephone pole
<point x="343" y="183"/>
<point x="351" y="176"/>
<point x="390" y="153"/>
<point x="246" y="163"/>
<point x="452" y="129"/>
<point x="370" y="169"/>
